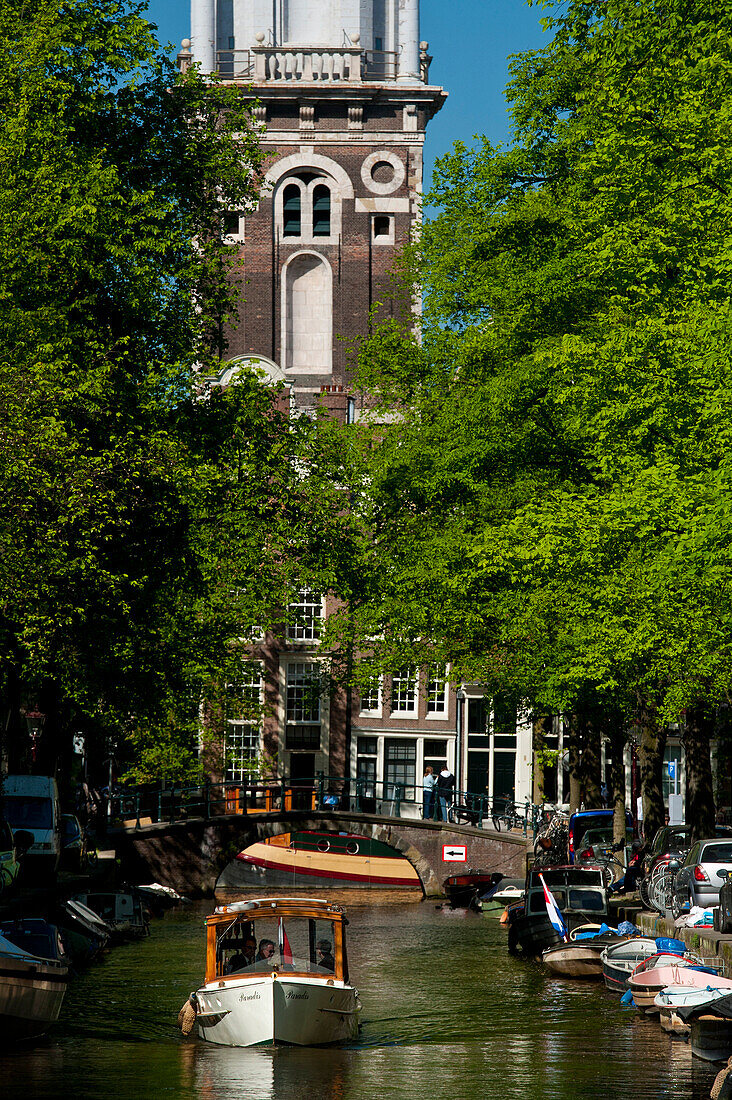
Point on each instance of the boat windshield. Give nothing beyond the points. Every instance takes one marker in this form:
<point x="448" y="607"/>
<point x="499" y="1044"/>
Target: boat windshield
<point x="29" y="813"/>
<point x="301" y="944"/>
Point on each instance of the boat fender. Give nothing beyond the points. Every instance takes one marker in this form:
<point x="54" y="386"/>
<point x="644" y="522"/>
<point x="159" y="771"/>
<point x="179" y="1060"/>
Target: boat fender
<point x="722" y="1087"/>
<point x="627" y="998"/>
<point x="187" y="1015"/>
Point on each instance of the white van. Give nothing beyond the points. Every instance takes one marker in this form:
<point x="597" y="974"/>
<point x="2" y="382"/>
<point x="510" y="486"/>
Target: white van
<point x="31" y="802"/>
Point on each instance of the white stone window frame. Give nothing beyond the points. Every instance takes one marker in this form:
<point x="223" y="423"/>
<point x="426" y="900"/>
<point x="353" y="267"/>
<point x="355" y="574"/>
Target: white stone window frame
<point x="372" y="712"/>
<point x="367" y="168"/>
<point x="240" y="236"/>
<point x="437" y="715"/>
<point x="405" y="712"/>
<point x="284" y="334"/>
<point x="311" y="620"/>
<point x="385" y="238"/>
<point x="235" y="727"/>
<point x="307" y="191"/>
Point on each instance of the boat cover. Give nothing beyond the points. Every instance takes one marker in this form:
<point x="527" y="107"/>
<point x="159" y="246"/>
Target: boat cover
<point x="7" y="949"/>
<point x="719" y="1006"/>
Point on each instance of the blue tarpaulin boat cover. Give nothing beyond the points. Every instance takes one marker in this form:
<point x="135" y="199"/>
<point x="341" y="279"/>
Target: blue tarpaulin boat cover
<point x="670" y="946"/>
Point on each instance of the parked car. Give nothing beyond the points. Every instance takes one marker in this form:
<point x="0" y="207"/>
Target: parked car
<point x="698" y="880"/>
<point x="9" y="857"/>
<point x="583" y="820"/>
<point x="31" y="803"/>
<point x="73" y="844"/>
<point x="670" y="842"/>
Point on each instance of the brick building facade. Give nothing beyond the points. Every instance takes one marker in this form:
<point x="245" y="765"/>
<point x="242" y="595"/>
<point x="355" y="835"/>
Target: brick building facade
<point x="342" y="94"/>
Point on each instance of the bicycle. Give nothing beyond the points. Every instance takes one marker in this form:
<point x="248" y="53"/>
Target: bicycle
<point x="661" y="887"/>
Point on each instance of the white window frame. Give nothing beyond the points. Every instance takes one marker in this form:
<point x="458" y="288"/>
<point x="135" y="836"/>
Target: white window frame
<point x="387" y="238"/>
<point x="305" y="671"/>
<point x="306" y="629"/>
<point x="405" y="712"/>
<point x="245" y="730"/>
<point x="433" y="679"/>
<point x="374" y="712"/>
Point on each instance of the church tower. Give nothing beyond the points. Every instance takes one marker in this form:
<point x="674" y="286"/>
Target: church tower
<point x="341" y="91"/>
<point x="343" y="97"/>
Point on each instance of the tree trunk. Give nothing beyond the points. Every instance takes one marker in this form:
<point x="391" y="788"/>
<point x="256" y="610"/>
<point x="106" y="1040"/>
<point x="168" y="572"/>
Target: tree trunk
<point x="616" y="786"/>
<point x="650" y="752"/>
<point x="590" y="740"/>
<point x="541" y="726"/>
<point x="575" y="781"/>
<point x="699" y="794"/>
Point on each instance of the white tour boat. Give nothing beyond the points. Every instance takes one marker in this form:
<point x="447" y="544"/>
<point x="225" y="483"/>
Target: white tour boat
<point x="276" y="972"/>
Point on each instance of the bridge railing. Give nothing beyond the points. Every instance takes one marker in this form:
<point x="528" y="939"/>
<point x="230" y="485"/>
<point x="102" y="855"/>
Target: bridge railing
<point x="166" y="803"/>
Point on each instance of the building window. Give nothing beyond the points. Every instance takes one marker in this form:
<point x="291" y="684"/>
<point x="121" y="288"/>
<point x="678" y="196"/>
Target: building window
<point x="400" y="765"/>
<point x="321" y="211"/>
<point x="291" y="211"/>
<point x="307" y="207"/>
<point x="371" y="697"/>
<point x="437" y="690"/>
<point x="243" y="725"/>
<point x="404" y="691"/>
<point x="305" y="614"/>
<point x="367" y="749"/>
<point x="382" y="229"/>
<point x="303" y="707"/>
<point x="435" y="753"/>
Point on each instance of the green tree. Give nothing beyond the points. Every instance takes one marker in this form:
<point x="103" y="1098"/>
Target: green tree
<point x="141" y="527"/>
<point x="551" y="514"/>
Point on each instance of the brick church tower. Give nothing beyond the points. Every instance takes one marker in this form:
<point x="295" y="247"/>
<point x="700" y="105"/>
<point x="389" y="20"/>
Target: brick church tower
<point x="343" y="98"/>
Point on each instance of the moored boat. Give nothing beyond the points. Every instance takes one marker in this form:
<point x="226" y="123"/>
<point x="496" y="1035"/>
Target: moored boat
<point x="317" y="859"/>
<point x="276" y="973"/>
<point x="84" y="933"/>
<point x="580" y="894"/>
<point x="619" y="960"/>
<point x="496" y="900"/>
<point x="711" y="1027"/>
<point x="576" y="959"/>
<point x="673" y="997"/>
<point x="121" y="910"/>
<point x="33" y="978"/>
<point x="660" y="971"/>
<point x="463" y="890"/>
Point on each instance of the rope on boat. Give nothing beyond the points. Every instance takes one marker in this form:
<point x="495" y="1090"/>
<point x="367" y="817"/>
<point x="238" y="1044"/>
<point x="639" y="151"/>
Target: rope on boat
<point x="722" y="1087"/>
<point x="187" y="1016"/>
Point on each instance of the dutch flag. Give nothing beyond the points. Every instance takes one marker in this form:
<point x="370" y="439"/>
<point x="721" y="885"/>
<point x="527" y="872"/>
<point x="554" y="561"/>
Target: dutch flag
<point x="553" y="913"/>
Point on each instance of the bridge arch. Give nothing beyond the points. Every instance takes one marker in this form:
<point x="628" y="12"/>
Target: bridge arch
<point x="371" y="830"/>
<point x="190" y="855"/>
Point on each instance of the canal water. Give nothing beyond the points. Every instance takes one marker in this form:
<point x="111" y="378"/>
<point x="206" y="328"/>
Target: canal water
<point x="447" y="1015"/>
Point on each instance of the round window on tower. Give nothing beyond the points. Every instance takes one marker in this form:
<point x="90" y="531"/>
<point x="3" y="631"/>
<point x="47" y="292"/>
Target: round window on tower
<point x="383" y="172"/>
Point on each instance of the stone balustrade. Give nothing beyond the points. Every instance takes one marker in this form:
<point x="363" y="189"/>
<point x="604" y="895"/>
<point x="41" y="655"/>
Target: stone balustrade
<point x="307" y="63"/>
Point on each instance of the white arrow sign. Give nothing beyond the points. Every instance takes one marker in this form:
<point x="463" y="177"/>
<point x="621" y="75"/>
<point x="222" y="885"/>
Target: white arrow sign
<point x="454" y="853"/>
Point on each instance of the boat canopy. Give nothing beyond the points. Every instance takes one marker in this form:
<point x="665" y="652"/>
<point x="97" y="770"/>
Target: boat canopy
<point x="304" y="936"/>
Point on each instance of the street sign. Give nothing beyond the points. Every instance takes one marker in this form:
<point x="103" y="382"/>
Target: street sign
<point x="672" y="769"/>
<point x="454" y="853"/>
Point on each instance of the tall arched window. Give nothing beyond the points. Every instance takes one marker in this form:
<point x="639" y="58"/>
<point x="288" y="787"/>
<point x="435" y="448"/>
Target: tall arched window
<point x="321" y="211"/>
<point x="291" y="211"/>
<point x="308" y="315"/>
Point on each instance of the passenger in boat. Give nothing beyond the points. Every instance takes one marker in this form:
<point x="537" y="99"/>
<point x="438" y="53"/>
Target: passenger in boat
<point x="242" y="958"/>
<point x="325" y="955"/>
<point x="266" y="951"/>
<point x="429" y="783"/>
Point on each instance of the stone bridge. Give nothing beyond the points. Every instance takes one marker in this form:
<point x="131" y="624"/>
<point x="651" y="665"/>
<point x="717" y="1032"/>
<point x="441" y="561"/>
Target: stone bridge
<point x="190" y="855"/>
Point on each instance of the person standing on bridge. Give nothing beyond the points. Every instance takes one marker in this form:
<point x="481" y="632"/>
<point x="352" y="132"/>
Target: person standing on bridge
<point x="445" y="787"/>
<point x="429" y="783"/>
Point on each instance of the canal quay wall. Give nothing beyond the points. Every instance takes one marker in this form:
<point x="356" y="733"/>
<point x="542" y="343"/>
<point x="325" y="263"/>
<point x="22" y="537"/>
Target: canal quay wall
<point x="711" y="945"/>
<point x="190" y="855"/>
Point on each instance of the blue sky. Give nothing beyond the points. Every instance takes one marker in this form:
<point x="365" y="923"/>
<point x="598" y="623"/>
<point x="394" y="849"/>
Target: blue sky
<point x="470" y="41"/>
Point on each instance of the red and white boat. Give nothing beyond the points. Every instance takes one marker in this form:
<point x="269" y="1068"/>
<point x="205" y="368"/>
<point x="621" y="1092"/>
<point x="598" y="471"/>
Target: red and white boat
<point x="319" y="859"/>
<point x="660" y="971"/>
